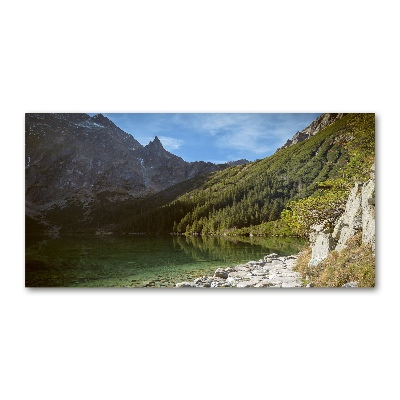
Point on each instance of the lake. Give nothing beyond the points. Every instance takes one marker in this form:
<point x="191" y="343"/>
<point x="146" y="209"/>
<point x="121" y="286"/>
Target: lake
<point x="140" y="261"/>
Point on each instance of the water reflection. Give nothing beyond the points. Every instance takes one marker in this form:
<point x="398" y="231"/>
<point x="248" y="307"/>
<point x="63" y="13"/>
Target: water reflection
<point x="141" y="260"/>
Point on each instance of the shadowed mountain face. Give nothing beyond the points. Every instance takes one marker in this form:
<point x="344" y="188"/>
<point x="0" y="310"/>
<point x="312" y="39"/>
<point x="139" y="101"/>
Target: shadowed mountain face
<point x="70" y="153"/>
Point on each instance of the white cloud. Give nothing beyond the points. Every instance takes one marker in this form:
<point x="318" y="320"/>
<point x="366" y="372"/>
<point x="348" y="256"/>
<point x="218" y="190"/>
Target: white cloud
<point x="245" y="140"/>
<point x="170" y="143"/>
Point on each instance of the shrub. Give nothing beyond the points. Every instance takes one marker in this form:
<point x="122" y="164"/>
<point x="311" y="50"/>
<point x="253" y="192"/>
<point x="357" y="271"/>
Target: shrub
<point x="355" y="263"/>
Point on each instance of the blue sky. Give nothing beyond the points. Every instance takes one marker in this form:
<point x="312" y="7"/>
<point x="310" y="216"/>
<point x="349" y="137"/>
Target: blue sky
<point x="214" y="137"/>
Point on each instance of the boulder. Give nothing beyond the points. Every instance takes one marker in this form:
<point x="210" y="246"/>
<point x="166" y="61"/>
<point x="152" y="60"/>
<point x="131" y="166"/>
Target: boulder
<point x="264" y="283"/>
<point x="350" y="284"/>
<point x="238" y="274"/>
<point x="270" y="257"/>
<point x="250" y="283"/>
<point x="185" y="284"/>
<point x="220" y="273"/>
<point x="322" y="243"/>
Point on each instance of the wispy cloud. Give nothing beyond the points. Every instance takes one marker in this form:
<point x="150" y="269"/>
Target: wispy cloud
<point x="215" y="136"/>
<point x="170" y="143"/>
<point x="245" y="141"/>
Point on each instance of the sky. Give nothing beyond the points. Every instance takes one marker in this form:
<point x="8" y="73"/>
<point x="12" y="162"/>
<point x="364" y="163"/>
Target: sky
<point x="217" y="138"/>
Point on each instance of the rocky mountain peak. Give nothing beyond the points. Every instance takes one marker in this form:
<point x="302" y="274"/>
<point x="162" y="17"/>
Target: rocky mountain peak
<point x="156" y="142"/>
<point x="101" y="120"/>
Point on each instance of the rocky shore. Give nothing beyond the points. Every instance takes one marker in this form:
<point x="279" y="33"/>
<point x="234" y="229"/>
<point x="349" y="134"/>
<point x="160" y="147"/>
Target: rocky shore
<point x="272" y="271"/>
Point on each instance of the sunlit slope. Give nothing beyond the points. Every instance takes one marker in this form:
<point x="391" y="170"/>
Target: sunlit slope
<point x="254" y="193"/>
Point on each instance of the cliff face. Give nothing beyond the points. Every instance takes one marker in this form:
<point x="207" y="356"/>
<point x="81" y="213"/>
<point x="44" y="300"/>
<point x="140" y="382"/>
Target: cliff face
<point x="321" y="122"/>
<point x="359" y="216"/>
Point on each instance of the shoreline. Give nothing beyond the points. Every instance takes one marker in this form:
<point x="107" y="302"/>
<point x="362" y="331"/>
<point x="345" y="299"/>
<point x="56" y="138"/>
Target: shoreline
<point x="271" y="271"/>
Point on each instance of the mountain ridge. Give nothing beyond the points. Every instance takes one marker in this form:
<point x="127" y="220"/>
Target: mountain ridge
<point x="321" y="122"/>
<point x="76" y="156"/>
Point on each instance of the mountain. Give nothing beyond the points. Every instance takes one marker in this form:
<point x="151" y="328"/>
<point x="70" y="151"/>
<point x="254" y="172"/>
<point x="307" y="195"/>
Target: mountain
<point x="70" y="152"/>
<point x="255" y="193"/>
<point x="321" y="122"/>
<point x="75" y="158"/>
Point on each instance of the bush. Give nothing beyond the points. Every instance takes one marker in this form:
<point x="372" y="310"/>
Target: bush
<point x="355" y="263"/>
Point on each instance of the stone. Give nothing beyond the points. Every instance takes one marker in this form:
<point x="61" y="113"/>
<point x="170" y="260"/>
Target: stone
<point x="264" y="283"/>
<point x="185" y="284"/>
<point x="238" y="274"/>
<point x="242" y="268"/>
<point x="322" y="242"/>
<point x="244" y="284"/>
<point x="249" y="283"/>
<point x="258" y="272"/>
<point x="350" y="284"/>
<point x="232" y="280"/>
<point x="220" y="273"/>
<point x="277" y="262"/>
<point x="270" y="257"/>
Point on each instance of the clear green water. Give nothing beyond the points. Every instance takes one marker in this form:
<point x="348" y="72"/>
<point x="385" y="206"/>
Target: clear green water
<point x="139" y="261"/>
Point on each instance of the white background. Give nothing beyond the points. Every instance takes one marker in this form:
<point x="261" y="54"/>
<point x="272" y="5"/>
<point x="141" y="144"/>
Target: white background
<point x="209" y="56"/>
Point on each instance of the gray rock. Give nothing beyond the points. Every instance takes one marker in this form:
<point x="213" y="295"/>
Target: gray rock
<point x="242" y="268"/>
<point x="238" y="274"/>
<point x="350" y="284"/>
<point x="220" y="273"/>
<point x="290" y="284"/>
<point x="322" y="241"/>
<point x="185" y="284"/>
<point x="249" y="283"/>
<point x="270" y="257"/>
<point x="258" y="272"/>
<point x="264" y="283"/>
<point x="232" y="281"/>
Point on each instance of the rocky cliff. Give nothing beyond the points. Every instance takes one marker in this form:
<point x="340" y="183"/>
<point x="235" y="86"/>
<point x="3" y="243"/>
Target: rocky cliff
<point x="359" y="216"/>
<point x="321" y="122"/>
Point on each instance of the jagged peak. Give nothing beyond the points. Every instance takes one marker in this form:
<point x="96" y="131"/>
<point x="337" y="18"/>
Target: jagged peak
<point x="156" y="142"/>
<point x="100" y="118"/>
